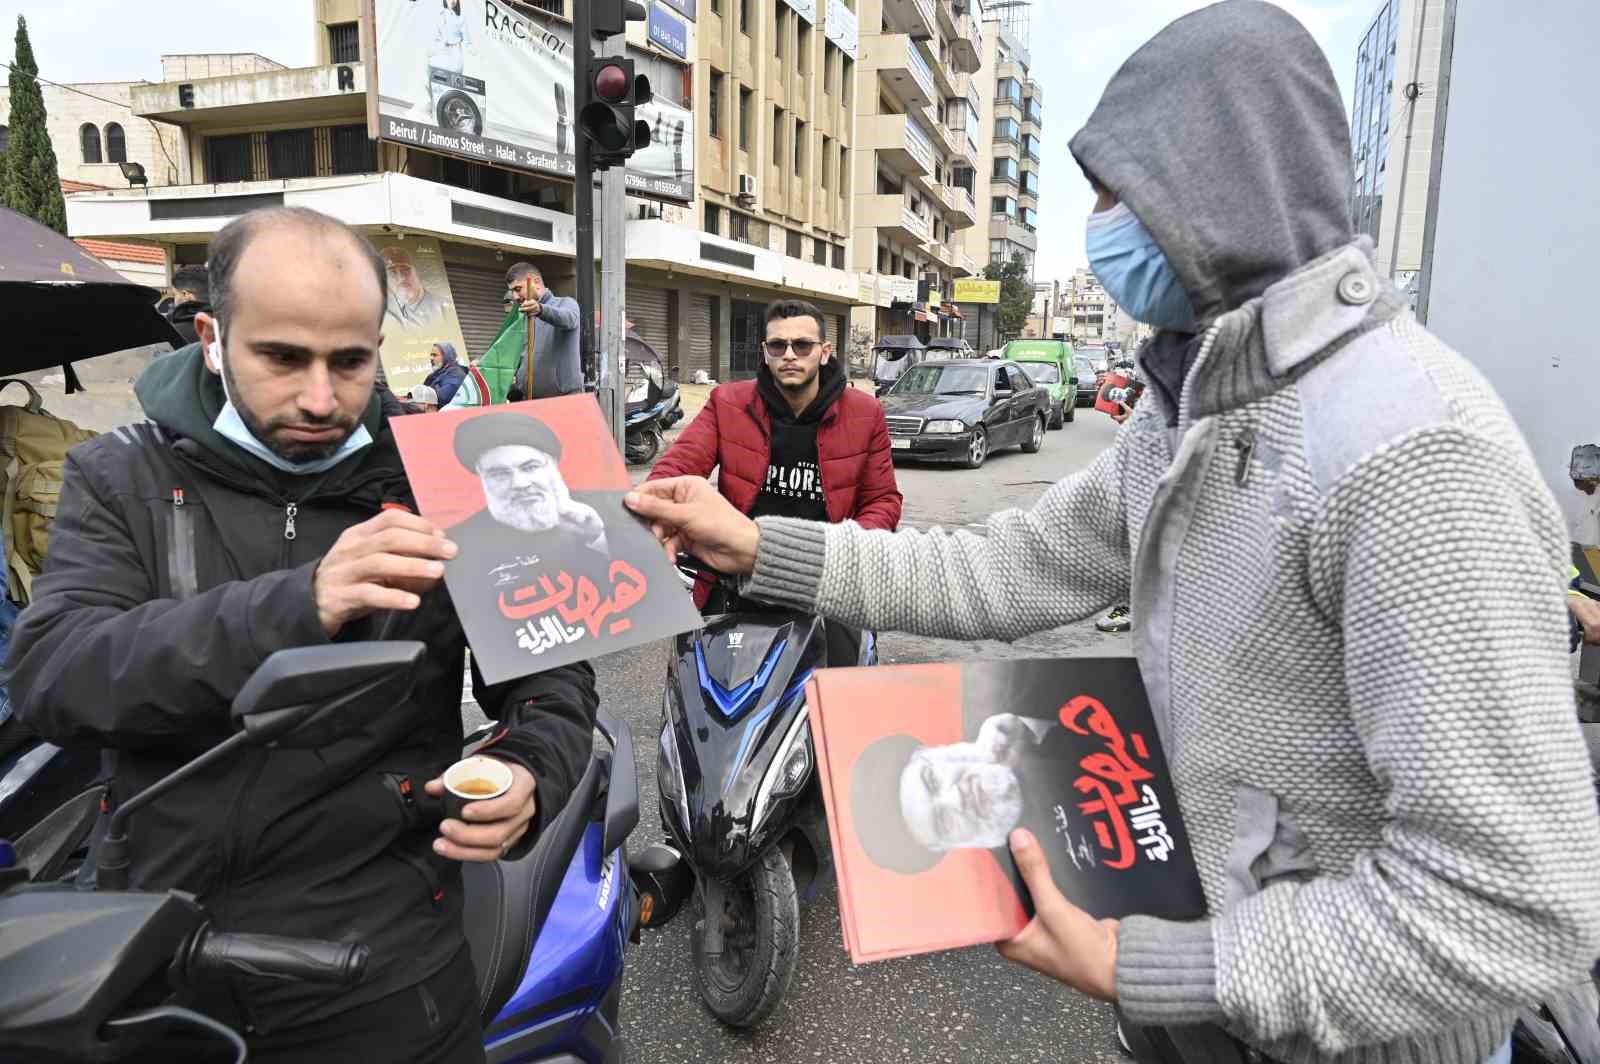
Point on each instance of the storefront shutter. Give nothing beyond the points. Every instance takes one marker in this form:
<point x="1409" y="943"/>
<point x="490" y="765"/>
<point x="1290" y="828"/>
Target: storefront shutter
<point x="647" y="309"/>
<point x="702" y="336"/>
<point x="479" y="293"/>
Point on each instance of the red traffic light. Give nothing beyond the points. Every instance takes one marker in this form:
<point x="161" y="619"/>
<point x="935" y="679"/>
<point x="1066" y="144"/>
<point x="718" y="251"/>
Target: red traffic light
<point x="611" y="83"/>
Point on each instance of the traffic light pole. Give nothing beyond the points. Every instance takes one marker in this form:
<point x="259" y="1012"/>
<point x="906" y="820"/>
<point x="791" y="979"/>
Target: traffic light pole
<point x="613" y="279"/>
<point x="583" y="187"/>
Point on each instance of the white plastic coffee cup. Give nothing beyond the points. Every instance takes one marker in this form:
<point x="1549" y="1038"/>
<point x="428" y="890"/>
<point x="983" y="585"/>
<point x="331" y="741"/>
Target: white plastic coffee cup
<point x="474" y="770"/>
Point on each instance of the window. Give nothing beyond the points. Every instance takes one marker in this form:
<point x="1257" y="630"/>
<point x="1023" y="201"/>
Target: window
<point x="116" y="144"/>
<point x="1019" y="380"/>
<point x="344" y="42"/>
<point x="744" y="17"/>
<point x="883" y="259"/>
<point x="1007" y="129"/>
<point x="1004" y="205"/>
<point x="777" y="137"/>
<point x="713" y="219"/>
<point x="802" y="51"/>
<point x="828" y="53"/>
<point x="1005" y="170"/>
<point x="1030" y="146"/>
<point x="1030" y="183"/>
<point x="89" y="137"/>
<point x="844" y="172"/>
<point x="799" y="149"/>
<point x="997" y="251"/>
<point x="1009" y="89"/>
<point x="291" y="153"/>
<point x="228" y="159"/>
<point x="826" y="159"/>
<point x="740" y="226"/>
<point x="847" y="79"/>
<point x="795" y="239"/>
<point x="353" y="153"/>
<point x="819" y="253"/>
<point x="746" y="106"/>
<point x="777" y="29"/>
<point x="961" y="177"/>
<point x="716" y="7"/>
<point x="714" y="110"/>
<point x="838" y="256"/>
<point x="1029" y="217"/>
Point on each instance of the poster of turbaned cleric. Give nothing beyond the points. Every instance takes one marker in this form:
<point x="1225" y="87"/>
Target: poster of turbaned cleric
<point x="551" y="567"/>
<point x="421" y="312"/>
<point x="923" y="792"/>
<point x="489" y="81"/>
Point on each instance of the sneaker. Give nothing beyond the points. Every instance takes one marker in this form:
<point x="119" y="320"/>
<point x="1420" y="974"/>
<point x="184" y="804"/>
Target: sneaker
<point x="1116" y="619"/>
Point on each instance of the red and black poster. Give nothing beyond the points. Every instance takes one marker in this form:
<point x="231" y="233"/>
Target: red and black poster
<point x="552" y="567"/>
<point x="923" y="790"/>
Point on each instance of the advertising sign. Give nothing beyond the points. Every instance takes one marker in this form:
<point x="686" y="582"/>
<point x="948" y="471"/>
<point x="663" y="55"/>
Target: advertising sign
<point x="421" y="311"/>
<point x="683" y="7"/>
<point x="977" y="290"/>
<point x="806" y="9"/>
<point x="482" y="81"/>
<point x="669" y="31"/>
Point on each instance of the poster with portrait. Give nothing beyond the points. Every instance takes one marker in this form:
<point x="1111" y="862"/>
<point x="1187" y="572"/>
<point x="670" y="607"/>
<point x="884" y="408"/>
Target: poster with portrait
<point x="923" y="792"/>
<point x="421" y="311"/>
<point x="552" y="568"/>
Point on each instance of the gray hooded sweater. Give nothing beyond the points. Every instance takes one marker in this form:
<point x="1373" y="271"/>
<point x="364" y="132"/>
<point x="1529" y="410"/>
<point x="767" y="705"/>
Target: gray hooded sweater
<point x="1346" y="577"/>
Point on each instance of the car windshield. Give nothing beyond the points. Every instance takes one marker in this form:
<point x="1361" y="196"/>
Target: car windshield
<point x="933" y="379"/>
<point x="1042" y="372"/>
<point x="1084" y="364"/>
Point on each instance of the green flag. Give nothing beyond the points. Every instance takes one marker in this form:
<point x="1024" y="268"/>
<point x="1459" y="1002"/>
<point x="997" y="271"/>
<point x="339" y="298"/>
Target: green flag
<point x="499" y="364"/>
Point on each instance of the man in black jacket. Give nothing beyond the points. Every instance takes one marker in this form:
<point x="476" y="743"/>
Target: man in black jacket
<point x="191" y="295"/>
<point x="256" y="511"/>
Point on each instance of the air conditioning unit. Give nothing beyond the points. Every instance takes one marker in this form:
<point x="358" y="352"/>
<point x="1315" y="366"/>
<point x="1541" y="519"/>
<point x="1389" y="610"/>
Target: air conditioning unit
<point x="747" y="187"/>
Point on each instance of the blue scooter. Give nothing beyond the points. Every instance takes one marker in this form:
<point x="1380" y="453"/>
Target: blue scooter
<point x="547" y="933"/>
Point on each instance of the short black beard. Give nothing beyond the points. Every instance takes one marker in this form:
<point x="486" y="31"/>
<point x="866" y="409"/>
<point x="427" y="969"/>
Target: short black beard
<point x="294" y="452"/>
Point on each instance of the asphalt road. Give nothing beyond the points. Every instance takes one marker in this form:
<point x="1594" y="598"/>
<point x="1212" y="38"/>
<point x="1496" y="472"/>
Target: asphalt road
<point x="963" y="1006"/>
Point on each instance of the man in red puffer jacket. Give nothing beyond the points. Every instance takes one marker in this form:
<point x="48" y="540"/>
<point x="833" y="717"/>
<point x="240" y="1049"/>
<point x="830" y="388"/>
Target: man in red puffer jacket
<point x="797" y="441"/>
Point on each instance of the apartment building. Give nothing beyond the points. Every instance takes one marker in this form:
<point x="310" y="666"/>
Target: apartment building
<point x="919" y="122"/>
<point x="1015" y="155"/>
<point x="702" y="260"/>
<point x="776" y="86"/>
<point x="1392" y="121"/>
<point x="1093" y="311"/>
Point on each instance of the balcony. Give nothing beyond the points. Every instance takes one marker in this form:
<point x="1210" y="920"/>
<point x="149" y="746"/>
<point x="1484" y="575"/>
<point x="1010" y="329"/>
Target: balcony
<point x="963" y="147"/>
<point x="962" y="208"/>
<point x="903" y="69"/>
<point x="899" y="141"/>
<point x="1005" y="107"/>
<point x="1004" y="228"/>
<point x="894" y="218"/>
<point x="966" y="265"/>
<point x="966" y="46"/>
<point x="944" y="75"/>
<point x="915" y="17"/>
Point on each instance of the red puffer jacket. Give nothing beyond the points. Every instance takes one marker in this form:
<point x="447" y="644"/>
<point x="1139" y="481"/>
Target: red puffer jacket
<point x="734" y="434"/>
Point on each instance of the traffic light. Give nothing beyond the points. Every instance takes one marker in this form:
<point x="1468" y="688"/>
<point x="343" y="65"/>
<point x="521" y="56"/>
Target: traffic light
<point x="611" y="17"/>
<point x="607" y="118"/>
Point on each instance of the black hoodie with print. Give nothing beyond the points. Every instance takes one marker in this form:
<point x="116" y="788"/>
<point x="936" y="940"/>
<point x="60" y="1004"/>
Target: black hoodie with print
<point x="793" y="486"/>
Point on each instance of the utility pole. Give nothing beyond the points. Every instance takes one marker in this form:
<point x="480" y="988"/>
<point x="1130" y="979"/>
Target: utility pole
<point x="583" y="187"/>
<point x="614" y="282"/>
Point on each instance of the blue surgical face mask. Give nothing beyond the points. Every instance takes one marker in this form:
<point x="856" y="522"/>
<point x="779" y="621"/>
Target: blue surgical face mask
<point x="1126" y="259"/>
<point x="232" y="428"/>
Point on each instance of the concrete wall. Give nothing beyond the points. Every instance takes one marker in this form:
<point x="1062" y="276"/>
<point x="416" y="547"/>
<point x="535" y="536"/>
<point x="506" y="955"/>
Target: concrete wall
<point x="197" y="67"/>
<point x="1512" y="273"/>
<point x="67" y="109"/>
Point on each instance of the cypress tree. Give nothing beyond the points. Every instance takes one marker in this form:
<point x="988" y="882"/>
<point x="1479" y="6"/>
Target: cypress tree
<point x="29" y="181"/>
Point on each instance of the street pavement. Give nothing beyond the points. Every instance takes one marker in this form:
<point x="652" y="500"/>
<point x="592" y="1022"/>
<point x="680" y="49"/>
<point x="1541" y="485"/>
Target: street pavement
<point x="956" y="1007"/>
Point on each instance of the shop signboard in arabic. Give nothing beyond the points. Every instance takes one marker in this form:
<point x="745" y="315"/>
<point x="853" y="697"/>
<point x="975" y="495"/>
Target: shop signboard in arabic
<point x="977" y="290"/>
<point x="493" y="85"/>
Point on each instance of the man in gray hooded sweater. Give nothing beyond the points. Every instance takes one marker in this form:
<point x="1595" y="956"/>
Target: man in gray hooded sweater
<point x="1348" y="577"/>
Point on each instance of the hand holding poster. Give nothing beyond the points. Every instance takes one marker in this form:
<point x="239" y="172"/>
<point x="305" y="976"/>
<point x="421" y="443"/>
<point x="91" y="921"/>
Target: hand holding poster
<point x="551" y="568"/>
<point x="923" y="792"/>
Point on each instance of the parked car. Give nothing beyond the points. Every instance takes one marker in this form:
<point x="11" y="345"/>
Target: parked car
<point x="1049" y="364"/>
<point x="959" y="410"/>
<point x="950" y="347"/>
<point x="892" y="356"/>
<point x="1088" y="380"/>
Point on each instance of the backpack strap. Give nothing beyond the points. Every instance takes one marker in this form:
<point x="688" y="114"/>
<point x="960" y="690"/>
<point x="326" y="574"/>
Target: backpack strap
<point x="35" y="404"/>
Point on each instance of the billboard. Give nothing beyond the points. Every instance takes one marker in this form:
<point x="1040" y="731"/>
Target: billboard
<point x="477" y="79"/>
<point x="421" y="311"/>
<point x="977" y="290"/>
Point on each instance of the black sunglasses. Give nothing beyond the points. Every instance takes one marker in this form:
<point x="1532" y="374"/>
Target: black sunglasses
<point x="802" y="348"/>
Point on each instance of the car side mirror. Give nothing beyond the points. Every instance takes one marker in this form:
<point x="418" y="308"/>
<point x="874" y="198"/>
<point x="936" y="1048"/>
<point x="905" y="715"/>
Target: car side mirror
<point x="1003" y="393"/>
<point x="308" y="697"/>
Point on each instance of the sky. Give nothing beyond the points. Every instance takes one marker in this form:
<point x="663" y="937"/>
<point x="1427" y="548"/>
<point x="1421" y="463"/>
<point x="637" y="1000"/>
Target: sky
<point x="1077" y="45"/>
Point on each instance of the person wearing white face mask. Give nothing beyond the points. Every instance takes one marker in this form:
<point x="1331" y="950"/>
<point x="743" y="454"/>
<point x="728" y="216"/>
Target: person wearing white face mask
<point x="263" y="506"/>
<point x="1370" y="796"/>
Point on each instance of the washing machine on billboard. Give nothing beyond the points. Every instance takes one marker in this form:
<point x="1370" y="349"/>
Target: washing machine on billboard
<point x="459" y="101"/>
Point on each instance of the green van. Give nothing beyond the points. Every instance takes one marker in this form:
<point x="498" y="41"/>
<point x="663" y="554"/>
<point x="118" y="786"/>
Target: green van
<point x="1048" y="363"/>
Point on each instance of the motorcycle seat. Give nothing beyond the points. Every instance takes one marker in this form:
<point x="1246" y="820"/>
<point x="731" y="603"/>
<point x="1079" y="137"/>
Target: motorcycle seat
<point x="506" y="902"/>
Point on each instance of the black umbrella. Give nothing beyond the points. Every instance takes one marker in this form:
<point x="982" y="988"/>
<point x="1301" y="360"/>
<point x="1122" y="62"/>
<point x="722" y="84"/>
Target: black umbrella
<point x="58" y="303"/>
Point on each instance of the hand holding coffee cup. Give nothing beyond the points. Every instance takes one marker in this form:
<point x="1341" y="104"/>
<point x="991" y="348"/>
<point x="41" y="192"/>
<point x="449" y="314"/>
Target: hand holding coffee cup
<point x="488" y="806"/>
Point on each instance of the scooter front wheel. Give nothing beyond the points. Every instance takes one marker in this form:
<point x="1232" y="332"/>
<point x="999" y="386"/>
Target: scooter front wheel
<point x="760" y="944"/>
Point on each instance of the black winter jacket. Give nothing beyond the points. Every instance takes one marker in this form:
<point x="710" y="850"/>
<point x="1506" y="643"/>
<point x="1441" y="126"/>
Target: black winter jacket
<point x="177" y="564"/>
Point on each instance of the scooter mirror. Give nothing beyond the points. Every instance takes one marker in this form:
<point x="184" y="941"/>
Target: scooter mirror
<point x="310" y="696"/>
<point x="622" y="790"/>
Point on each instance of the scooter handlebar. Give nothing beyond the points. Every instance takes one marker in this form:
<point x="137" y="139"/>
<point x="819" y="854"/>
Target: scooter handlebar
<point x="277" y="958"/>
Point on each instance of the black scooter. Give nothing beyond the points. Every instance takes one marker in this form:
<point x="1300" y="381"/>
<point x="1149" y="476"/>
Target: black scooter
<point x="739" y="794"/>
